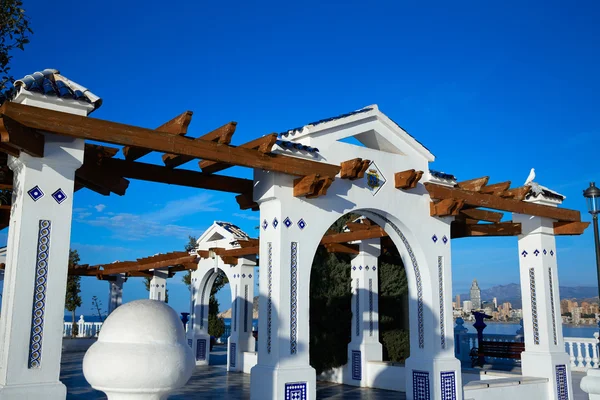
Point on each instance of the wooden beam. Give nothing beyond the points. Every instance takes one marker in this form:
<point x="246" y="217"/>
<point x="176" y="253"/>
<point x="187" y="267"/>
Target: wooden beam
<point x="248" y="243"/>
<point x="446" y="207"/>
<point x="516" y="193"/>
<point x="221" y="135"/>
<point x="570" y="228"/>
<point x="109" y="269"/>
<point x="262" y="144"/>
<point x="342" y="248"/>
<point x="358" y="226"/>
<point x="100" y="178"/>
<point x="321" y="187"/>
<point x="407" y="179"/>
<point x="496" y="189"/>
<point x="181" y="177"/>
<point x="504" y="204"/>
<point x="246" y="202"/>
<point x="482" y="215"/>
<point x="112" y="132"/>
<point x="459" y="229"/>
<point x="176" y="126"/>
<point x="305" y="185"/>
<point x="473" y="185"/>
<point x="21" y="138"/>
<point x="352" y="236"/>
<point x="229" y="260"/>
<point x="354" y="169"/>
<point x="244" y="251"/>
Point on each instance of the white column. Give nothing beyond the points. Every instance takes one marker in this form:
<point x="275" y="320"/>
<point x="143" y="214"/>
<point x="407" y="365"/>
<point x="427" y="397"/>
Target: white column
<point x="242" y="293"/>
<point x="36" y="270"/>
<point x="544" y="354"/>
<point x="115" y="292"/>
<point x="158" y="285"/>
<point x="364" y="345"/>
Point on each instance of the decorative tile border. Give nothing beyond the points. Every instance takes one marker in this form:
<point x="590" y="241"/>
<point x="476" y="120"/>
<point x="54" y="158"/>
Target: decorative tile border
<point x="448" y="385"/>
<point x="275" y="223"/>
<point x="421" y="385"/>
<point x="200" y="349"/>
<point x="536" y="333"/>
<point x="370" y="307"/>
<point x="235" y="309"/>
<point x="418" y="281"/>
<point x="245" y="308"/>
<point x="295" y="391"/>
<point x="293" y="297"/>
<point x="441" y="294"/>
<point x="357" y="308"/>
<point x="287" y="222"/>
<point x="35" y="193"/>
<point x="265" y="224"/>
<point x="562" y="389"/>
<point x="356" y="365"/>
<point x="202" y="305"/>
<point x="39" y="294"/>
<point x="232" y="354"/>
<point x="270" y="295"/>
<point x="552" y="305"/>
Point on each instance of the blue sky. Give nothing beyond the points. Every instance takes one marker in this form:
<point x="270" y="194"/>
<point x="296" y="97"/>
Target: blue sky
<point x="489" y="89"/>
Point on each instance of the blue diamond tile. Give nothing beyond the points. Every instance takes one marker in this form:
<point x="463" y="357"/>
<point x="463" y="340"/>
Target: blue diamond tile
<point x="524" y="253"/>
<point x="445" y="239"/>
<point x="243" y="275"/>
<point x="545" y="252"/>
<point x="536" y="252"/>
<point x="354" y="268"/>
<point x="360" y="268"/>
<point x="59" y="196"/>
<point x="373" y="268"/>
<point x="301" y="224"/>
<point x="367" y="267"/>
<point x="265" y="225"/>
<point x="287" y="222"/>
<point x="434" y="238"/>
<point x="275" y="222"/>
<point x="35" y="193"/>
<point x="551" y="252"/>
<point x="249" y="275"/>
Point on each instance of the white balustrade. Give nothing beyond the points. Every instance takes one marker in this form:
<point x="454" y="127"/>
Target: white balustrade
<point x="85" y="329"/>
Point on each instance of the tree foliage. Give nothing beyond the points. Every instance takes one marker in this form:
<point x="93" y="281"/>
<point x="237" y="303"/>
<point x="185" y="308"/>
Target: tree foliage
<point x="72" y="297"/>
<point x="14" y="34"/>
<point x="189" y="246"/>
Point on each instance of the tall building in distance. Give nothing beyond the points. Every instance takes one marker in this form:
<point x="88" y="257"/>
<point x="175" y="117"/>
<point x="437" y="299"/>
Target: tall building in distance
<point x="495" y="301"/>
<point x="458" y="301"/>
<point x="475" y="295"/>
<point x="467" y="306"/>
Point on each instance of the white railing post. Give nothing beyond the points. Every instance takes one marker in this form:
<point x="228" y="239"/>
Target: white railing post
<point x="80" y="326"/>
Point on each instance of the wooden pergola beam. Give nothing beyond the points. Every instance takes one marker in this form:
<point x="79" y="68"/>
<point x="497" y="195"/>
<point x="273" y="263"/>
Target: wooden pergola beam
<point x="482" y="215"/>
<point x="312" y="186"/>
<point x="246" y="202"/>
<point x="407" y="179"/>
<point x="342" y="248"/>
<point x="21" y="138"/>
<point x="112" y="132"/>
<point x="460" y="230"/>
<point x="496" y="189"/>
<point x="221" y="135"/>
<point x="498" y="203"/>
<point x="181" y="177"/>
<point x="244" y="251"/>
<point x="262" y="144"/>
<point x="473" y="185"/>
<point x="176" y="126"/>
<point x="446" y="207"/>
<point x="249" y="243"/>
<point x="354" y="169"/>
<point x="516" y="193"/>
<point x="96" y="177"/>
<point x="346" y="237"/>
<point x="570" y="228"/>
<point x="147" y="266"/>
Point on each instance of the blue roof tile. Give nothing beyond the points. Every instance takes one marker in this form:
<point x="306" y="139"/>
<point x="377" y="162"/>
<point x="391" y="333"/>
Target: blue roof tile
<point x="442" y="175"/>
<point x="298" y="146"/>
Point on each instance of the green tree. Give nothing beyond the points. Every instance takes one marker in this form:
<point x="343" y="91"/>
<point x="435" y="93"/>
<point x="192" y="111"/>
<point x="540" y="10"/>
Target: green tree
<point x="14" y="34"/>
<point x="72" y="298"/>
<point x="216" y="325"/>
<point x="189" y="246"/>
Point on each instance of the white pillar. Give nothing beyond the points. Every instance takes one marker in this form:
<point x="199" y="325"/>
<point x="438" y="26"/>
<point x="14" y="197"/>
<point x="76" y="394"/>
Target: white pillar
<point x="544" y="354"/>
<point x="364" y="345"/>
<point x="242" y="293"/>
<point x="197" y="336"/>
<point x="115" y="292"/>
<point x="36" y="270"/>
<point x="158" y="285"/>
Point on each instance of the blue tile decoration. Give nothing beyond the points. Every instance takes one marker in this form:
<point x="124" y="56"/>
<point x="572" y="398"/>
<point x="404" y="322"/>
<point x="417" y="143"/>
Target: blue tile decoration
<point x="275" y="223"/>
<point x="552" y="305"/>
<point x="235" y="230"/>
<point x="357" y="308"/>
<point x="190" y="343"/>
<point x="448" y="385"/>
<point x="232" y="348"/>
<point x="59" y="196"/>
<point x="562" y="389"/>
<point x="370" y="307"/>
<point x="524" y="253"/>
<point x="234" y="307"/>
<point x="375" y="178"/>
<point x="200" y="349"/>
<point x="551" y="252"/>
<point x="536" y="252"/>
<point x="536" y="332"/>
<point x="287" y="222"/>
<point x="39" y="294"/>
<point x="269" y="297"/>
<point x="354" y="268"/>
<point x="202" y="297"/>
<point x="442" y="175"/>
<point x="295" y="391"/>
<point x="265" y="225"/>
<point x="50" y="83"/>
<point x="445" y="239"/>
<point x="421" y="385"/>
<point x="301" y="224"/>
<point x="35" y="193"/>
<point x="441" y="294"/>
<point x="293" y="297"/>
<point x="367" y="267"/>
<point x="245" y="308"/>
<point x="360" y="267"/>
<point x="434" y="238"/>
<point x="249" y="275"/>
<point x="356" y="365"/>
<point x="418" y="281"/>
<point x="545" y="252"/>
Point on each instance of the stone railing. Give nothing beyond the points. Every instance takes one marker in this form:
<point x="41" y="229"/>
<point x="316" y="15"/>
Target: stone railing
<point x="84" y="329"/>
<point x="583" y="352"/>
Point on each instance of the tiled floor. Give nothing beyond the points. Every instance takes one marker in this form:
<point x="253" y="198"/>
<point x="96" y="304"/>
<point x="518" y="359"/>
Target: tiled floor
<point x="210" y="383"/>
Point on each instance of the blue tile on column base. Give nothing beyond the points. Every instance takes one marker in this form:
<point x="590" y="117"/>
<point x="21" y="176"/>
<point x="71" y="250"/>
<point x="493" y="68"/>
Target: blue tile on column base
<point x="295" y="391"/>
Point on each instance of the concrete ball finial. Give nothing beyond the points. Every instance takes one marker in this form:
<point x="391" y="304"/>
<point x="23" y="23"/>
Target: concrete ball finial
<point x="141" y="353"/>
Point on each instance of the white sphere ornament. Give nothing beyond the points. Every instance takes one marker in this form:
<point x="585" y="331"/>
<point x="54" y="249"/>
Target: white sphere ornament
<point x="141" y="353"/>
